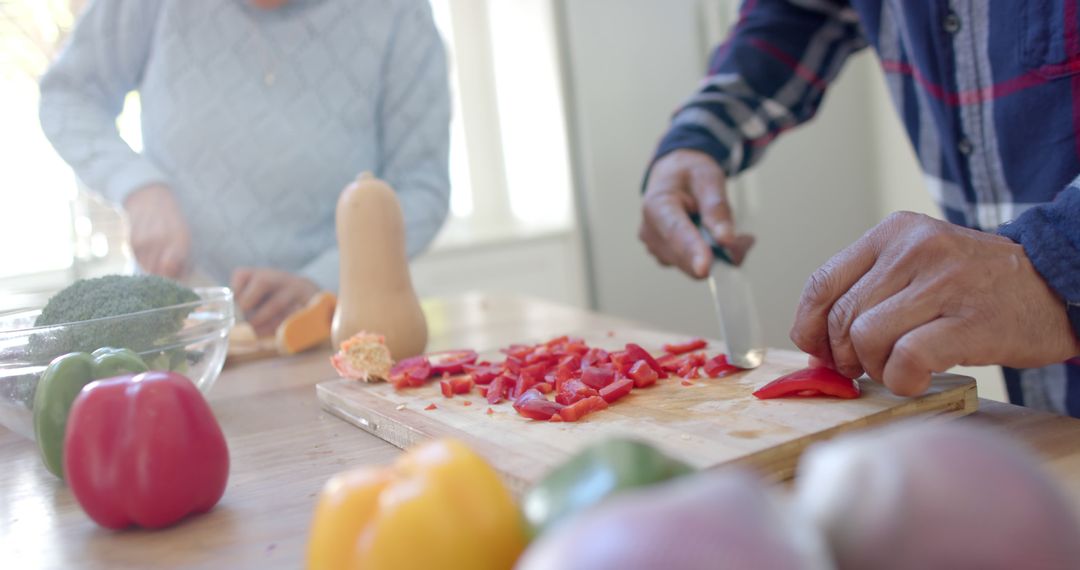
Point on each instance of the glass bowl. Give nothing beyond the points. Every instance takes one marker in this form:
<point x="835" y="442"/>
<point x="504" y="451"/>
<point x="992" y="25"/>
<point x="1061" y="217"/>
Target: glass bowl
<point x="197" y="350"/>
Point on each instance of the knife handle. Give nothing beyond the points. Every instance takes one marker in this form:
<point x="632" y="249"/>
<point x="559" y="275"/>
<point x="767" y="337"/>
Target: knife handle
<point x="719" y="252"/>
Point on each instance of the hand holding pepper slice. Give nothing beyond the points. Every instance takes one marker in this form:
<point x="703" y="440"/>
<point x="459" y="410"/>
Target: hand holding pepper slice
<point x="144" y="450"/>
<point x="438" y="506"/>
<point x="810" y="383"/>
<point x="60" y="384"/>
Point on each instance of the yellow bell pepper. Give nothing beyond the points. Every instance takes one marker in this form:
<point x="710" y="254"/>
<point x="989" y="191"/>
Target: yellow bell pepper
<point x="438" y="506"/>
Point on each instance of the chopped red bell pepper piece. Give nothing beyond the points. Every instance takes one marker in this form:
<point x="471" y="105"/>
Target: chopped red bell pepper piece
<point x="688" y="346"/>
<point x="467" y="403"/>
<point x="544" y="388"/>
<point x="671" y="362"/>
<point x="461" y="384"/>
<point x="431" y="407"/>
<point x="642" y="374"/>
<point x="410" y="372"/>
<point x="580" y="409"/>
<point x="495" y="390"/>
<point x="595" y="356"/>
<point x="483" y="374"/>
<point x="810" y="383"/>
<point x="596" y="377"/>
<point x="616" y="390"/>
<point x="532" y="404"/>
<point x="636" y="352"/>
<point x="574" y="391"/>
<point x="718" y="367"/>
<point x="447" y="390"/>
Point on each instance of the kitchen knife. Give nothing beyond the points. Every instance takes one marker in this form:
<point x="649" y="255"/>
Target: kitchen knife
<point x="735" y="309"/>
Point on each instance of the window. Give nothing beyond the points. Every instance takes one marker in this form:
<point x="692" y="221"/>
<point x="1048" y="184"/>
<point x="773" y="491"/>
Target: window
<point x="509" y="160"/>
<point x="36" y="227"/>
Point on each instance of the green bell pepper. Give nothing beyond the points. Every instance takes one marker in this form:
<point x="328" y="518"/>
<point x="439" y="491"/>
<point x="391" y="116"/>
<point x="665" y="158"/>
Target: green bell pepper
<point x="594" y="474"/>
<point x="61" y="382"/>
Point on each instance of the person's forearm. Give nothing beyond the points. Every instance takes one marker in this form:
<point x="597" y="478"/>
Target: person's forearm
<point x="1050" y="235"/>
<point x="324" y="270"/>
<point x="769" y="76"/>
<point x="84" y="90"/>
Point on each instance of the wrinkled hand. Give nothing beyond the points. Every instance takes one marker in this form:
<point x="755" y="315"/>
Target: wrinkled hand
<point x="160" y="237"/>
<point x="917" y="295"/>
<point x="682" y="182"/>
<point x="268" y="296"/>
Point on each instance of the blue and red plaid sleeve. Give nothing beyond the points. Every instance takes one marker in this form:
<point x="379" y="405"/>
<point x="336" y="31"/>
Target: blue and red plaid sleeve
<point x="769" y="76"/>
<point x="1050" y="235"/>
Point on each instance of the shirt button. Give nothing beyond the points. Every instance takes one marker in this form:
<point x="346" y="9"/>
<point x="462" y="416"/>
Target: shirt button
<point x="951" y="23"/>
<point x="965" y="147"/>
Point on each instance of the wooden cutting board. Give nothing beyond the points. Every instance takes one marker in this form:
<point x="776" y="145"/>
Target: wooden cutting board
<point x="711" y="423"/>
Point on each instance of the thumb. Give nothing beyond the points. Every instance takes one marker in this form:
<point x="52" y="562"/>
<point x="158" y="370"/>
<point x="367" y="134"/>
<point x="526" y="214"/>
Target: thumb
<point x="708" y="184"/>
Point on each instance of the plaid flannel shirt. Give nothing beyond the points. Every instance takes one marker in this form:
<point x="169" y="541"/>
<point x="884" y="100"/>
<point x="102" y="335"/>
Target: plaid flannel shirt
<point x="989" y="93"/>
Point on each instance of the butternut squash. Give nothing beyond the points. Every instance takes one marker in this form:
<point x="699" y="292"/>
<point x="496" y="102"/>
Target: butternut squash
<point x="309" y="327"/>
<point x="376" y="292"/>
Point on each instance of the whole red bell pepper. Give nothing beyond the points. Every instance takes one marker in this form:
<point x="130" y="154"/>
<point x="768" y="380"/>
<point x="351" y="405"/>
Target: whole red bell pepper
<point x="809" y="383"/>
<point x="144" y="450"/>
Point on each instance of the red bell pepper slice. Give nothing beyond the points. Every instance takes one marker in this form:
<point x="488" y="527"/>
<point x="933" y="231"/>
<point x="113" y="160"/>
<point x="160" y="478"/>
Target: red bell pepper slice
<point x="532" y="404"/>
<point x="636" y="352"/>
<point x="144" y="450"/>
<point x="580" y="409"/>
<point x="810" y="383"/>
<point x="596" y="377"/>
<point x="461" y="384"/>
<point x="616" y="390"/>
<point x="410" y="373"/>
<point x="446" y="389"/>
<point x="671" y="362"/>
<point x="642" y="374"/>
<point x="688" y="346"/>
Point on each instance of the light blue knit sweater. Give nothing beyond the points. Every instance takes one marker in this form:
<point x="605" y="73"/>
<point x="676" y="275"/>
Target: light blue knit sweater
<point x="258" y="118"/>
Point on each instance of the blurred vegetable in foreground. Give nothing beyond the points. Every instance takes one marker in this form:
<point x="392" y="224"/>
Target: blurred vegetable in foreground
<point x="710" y="520"/>
<point x="144" y="450"/>
<point x="60" y="384"/>
<point x="438" y="506"/>
<point x="936" y="496"/>
<point x="596" y="473"/>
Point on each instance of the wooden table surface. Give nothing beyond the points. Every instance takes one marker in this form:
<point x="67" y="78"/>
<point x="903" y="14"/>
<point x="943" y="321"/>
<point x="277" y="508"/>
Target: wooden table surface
<point x="283" y="448"/>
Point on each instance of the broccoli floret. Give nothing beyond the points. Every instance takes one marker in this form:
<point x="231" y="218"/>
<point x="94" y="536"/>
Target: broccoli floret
<point x="110" y="296"/>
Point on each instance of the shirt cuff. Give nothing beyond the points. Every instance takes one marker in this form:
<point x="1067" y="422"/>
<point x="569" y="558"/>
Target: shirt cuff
<point x="1050" y="235"/>
<point x="686" y="137"/>
<point x="135" y="175"/>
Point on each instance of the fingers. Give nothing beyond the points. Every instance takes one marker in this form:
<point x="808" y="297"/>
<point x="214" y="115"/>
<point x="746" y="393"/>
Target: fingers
<point x="172" y="263"/>
<point x="258" y="287"/>
<point x="811" y="329"/>
<point x="269" y="314"/>
<point x="933" y="347"/>
<point x="666" y="214"/>
<point x="880" y="283"/>
<point x="874" y="332"/>
<point x="709" y="188"/>
<point x="240" y="278"/>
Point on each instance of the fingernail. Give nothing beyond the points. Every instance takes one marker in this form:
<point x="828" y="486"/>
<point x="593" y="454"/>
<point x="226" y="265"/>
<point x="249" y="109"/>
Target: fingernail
<point x="699" y="263"/>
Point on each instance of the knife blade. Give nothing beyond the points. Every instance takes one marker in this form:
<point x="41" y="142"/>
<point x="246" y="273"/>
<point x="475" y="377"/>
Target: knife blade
<point x="733" y="298"/>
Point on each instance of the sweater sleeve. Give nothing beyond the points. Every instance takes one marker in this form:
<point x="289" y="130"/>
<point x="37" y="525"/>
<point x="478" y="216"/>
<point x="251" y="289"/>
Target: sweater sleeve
<point x="1050" y="235"/>
<point x="769" y="76"/>
<point x="414" y="134"/>
<point x="84" y="89"/>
